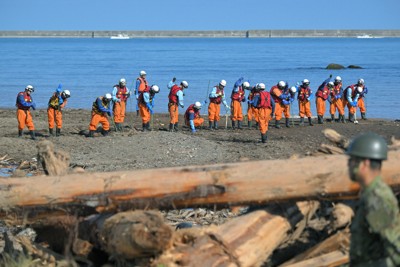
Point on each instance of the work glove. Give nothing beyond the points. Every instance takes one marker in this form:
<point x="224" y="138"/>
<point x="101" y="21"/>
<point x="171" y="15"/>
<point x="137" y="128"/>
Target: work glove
<point x="354" y="103"/>
<point x="285" y="102"/>
<point x="244" y="99"/>
<point x="291" y="99"/>
<point x="337" y="96"/>
<point x="109" y="113"/>
<point x="33" y="105"/>
<point x="308" y="98"/>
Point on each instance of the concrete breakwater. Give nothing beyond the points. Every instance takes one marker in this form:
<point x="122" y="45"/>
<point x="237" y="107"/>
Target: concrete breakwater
<point x="204" y="34"/>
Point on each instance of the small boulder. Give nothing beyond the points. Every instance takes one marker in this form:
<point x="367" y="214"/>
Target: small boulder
<point x="334" y="66"/>
<point x="354" y="67"/>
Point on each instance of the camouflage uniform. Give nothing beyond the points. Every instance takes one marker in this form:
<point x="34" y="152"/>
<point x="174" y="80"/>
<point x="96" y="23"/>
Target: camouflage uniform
<point x="375" y="231"/>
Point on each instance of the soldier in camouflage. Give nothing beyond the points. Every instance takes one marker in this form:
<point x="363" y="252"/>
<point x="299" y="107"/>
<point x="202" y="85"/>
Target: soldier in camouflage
<point x="375" y="230"/>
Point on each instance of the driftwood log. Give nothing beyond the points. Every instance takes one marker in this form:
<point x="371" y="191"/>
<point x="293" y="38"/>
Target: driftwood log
<point x="247" y="240"/>
<point x="223" y="184"/>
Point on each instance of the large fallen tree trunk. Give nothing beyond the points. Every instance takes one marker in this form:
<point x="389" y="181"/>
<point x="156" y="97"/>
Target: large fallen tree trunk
<point x="244" y="241"/>
<point x="223" y="184"/>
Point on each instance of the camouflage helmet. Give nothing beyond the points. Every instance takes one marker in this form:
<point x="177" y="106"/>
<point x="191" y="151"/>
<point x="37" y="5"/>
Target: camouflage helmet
<point x="369" y="146"/>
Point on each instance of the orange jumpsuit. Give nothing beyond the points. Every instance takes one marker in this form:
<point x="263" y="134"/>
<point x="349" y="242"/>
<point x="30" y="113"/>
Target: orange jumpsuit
<point x="217" y="96"/>
<point x="122" y="94"/>
<point x="238" y="95"/>
<point x="321" y="95"/>
<point x="279" y="106"/>
<point x="54" y="112"/>
<point x="354" y="95"/>
<point x="191" y="112"/>
<point x="251" y="111"/>
<point x="336" y="103"/>
<point x="24" y="115"/>
<point x="99" y="116"/>
<point x="304" y="104"/>
<point x="174" y="102"/>
<point x="264" y="110"/>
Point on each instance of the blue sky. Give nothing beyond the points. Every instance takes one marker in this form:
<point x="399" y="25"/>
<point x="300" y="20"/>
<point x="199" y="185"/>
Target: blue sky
<point x="198" y="15"/>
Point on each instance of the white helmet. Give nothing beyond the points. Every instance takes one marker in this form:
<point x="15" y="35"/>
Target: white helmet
<point x="185" y="84"/>
<point x="30" y="88"/>
<point x="222" y="83"/>
<point x="281" y="84"/>
<point x="338" y="79"/>
<point x="331" y="84"/>
<point x="142" y="72"/>
<point x="261" y="86"/>
<point x="108" y="96"/>
<point x="360" y="81"/>
<point x="155" y="88"/>
<point x="66" y="93"/>
<point x="359" y="89"/>
<point x="122" y="81"/>
<point x="293" y="89"/>
<point x="306" y="82"/>
<point x="246" y="85"/>
<point x="197" y="105"/>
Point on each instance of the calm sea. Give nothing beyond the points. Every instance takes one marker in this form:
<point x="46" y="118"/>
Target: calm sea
<point x="90" y="67"/>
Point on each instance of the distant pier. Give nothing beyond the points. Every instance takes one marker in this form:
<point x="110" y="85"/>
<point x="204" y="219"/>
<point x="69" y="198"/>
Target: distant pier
<point x="203" y="34"/>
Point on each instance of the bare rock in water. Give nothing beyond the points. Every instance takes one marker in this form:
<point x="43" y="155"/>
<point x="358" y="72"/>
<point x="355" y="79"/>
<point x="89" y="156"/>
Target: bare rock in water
<point x="334" y="66"/>
<point x="354" y="67"/>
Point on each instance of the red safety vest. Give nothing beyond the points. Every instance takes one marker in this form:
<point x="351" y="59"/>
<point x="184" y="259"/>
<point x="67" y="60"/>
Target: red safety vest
<point x="304" y="93"/>
<point x="191" y="109"/>
<point x="323" y="93"/>
<point x="274" y="96"/>
<point x="143" y="84"/>
<point x="27" y="98"/>
<point x="173" y="98"/>
<point x="217" y="100"/>
<point x="121" y="92"/>
<point x="265" y="99"/>
<point x="336" y="89"/>
<point x="239" y="95"/>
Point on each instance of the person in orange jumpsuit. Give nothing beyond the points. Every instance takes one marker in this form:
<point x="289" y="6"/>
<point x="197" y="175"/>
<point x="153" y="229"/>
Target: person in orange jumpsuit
<point x="141" y="84"/>
<point x="336" y="100"/>
<point x="304" y="96"/>
<point x="24" y="103"/>
<point x="282" y="97"/>
<point x="175" y="100"/>
<point x="238" y="96"/>
<point x="120" y="95"/>
<point x="192" y="116"/>
<point x="146" y="104"/>
<point x="100" y="110"/>
<point x="251" y="111"/>
<point x="354" y="97"/>
<point x="264" y="106"/>
<point x="57" y="102"/>
<point x="321" y="96"/>
<point x="216" y="96"/>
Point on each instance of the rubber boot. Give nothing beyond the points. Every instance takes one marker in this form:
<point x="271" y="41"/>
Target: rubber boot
<point x="233" y="125"/>
<point x="117" y="127"/>
<point x="91" y="134"/>
<point x="19" y="133"/>
<point x="341" y="118"/>
<point x="240" y="125"/>
<point x="333" y="117"/>
<point x="320" y="119"/>
<point x="104" y="132"/>
<point x="176" y="127"/>
<point x="351" y="117"/>
<point x="216" y="125"/>
<point x="363" y="116"/>
<point x="277" y="122"/>
<point x="58" y="132"/>
<point x="210" y="125"/>
<point x="287" y="122"/>
<point x="143" y="127"/>
<point x="51" y="131"/>
<point x="310" y="121"/>
<point x="33" y="136"/>
<point x="257" y="125"/>
<point x="249" y="124"/>
<point x="301" y="122"/>
<point x="264" y="138"/>
<point x="171" y="127"/>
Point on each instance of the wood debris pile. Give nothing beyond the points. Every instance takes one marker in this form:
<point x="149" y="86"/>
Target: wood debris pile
<point x="243" y="214"/>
